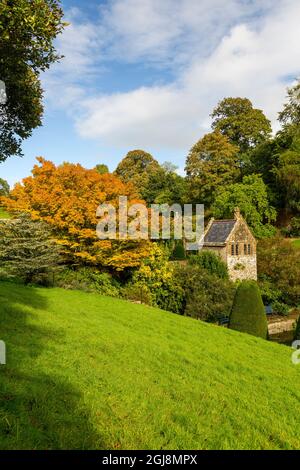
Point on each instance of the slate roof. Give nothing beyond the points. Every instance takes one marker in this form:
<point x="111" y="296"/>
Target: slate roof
<point x="219" y="231"/>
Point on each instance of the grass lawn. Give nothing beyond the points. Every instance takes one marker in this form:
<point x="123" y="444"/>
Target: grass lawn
<point x="4" y="214"/>
<point x="90" y="372"/>
<point x="296" y="243"/>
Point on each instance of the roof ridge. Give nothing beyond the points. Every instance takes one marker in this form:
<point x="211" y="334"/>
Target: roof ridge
<point x="224" y="220"/>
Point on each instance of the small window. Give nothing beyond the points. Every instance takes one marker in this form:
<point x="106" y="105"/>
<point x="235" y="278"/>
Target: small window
<point x="249" y="249"/>
<point x="237" y="249"/>
<point x="232" y="250"/>
<point x="245" y="249"/>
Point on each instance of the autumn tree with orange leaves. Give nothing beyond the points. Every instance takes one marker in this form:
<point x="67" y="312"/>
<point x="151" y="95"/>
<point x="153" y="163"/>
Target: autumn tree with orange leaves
<point x="66" y="197"/>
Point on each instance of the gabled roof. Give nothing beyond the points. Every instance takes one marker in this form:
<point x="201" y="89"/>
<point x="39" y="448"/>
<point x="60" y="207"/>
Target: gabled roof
<point x="219" y="231"/>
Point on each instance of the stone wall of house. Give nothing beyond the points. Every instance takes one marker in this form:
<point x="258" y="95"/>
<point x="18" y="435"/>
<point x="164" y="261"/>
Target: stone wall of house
<point x="242" y="267"/>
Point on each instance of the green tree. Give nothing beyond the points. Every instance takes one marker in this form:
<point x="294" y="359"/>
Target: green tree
<point x="27" y="31"/>
<point x="155" y="281"/>
<point x="244" y="125"/>
<point x="278" y="264"/>
<point x="178" y="253"/>
<point x="135" y="168"/>
<point x="27" y="250"/>
<point x="165" y="186"/>
<point x="252" y="199"/>
<point x="207" y="297"/>
<point x="248" y="312"/>
<point x="102" y="168"/>
<point x="4" y="187"/>
<point x="264" y="160"/>
<point x="288" y="173"/>
<point x="211" y="164"/>
<point x="290" y="115"/>
<point x="208" y="260"/>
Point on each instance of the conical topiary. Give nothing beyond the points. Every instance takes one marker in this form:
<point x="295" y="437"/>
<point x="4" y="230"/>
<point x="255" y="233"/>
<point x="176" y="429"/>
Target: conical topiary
<point x="179" y="252"/>
<point x="248" y="312"/>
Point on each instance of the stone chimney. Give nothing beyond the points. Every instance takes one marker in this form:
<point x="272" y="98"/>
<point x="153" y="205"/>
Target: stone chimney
<point x="237" y="213"/>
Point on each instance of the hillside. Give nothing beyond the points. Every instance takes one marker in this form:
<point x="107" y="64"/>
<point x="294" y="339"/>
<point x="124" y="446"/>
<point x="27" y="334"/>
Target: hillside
<point x="296" y="243"/>
<point x="85" y="371"/>
<point x="4" y="214"/>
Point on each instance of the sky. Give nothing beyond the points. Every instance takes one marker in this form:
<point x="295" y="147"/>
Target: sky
<point x="148" y="73"/>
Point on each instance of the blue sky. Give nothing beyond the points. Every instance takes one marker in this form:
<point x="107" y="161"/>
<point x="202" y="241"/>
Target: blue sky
<point x="147" y="73"/>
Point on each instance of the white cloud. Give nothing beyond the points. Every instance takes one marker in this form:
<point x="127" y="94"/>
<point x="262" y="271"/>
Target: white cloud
<point x="80" y="45"/>
<point x="173" y="30"/>
<point x="217" y="48"/>
<point x="144" y="117"/>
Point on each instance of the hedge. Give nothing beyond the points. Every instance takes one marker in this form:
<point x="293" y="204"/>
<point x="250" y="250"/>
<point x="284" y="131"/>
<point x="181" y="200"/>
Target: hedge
<point x="248" y="312"/>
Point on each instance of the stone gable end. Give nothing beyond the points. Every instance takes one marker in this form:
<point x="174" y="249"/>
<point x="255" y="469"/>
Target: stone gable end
<point x="241" y="253"/>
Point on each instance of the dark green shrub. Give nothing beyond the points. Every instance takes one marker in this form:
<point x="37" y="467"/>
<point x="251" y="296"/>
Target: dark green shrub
<point x="280" y="308"/>
<point x="89" y="280"/>
<point x="157" y="275"/>
<point x="158" y="288"/>
<point x="278" y="262"/>
<point x="286" y="231"/>
<point x="210" y="261"/>
<point x="179" y="252"/>
<point x="248" y="312"/>
<point x="295" y="227"/>
<point x="72" y="279"/>
<point x="138" y="292"/>
<point x="269" y="293"/>
<point x="28" y="251"/>
<point x="297" y="330"/>
<point x="105" y="284"/>
<point x="170" y="296"/>
<point x="206" y="296"/>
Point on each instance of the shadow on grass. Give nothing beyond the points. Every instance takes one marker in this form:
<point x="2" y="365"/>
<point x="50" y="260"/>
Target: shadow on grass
<point x="38" y="410"/>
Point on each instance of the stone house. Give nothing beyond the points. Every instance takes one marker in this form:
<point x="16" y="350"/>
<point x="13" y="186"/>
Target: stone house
<point x="233" y="241"/>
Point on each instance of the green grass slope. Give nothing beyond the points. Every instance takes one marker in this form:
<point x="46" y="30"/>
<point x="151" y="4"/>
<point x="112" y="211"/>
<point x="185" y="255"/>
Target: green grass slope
<point x="91" y="372"/>
<point x="296" y="243"/>
<point x="4" y="214"/>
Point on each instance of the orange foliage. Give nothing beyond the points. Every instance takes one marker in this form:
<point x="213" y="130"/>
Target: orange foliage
<point x="66" y="197"/>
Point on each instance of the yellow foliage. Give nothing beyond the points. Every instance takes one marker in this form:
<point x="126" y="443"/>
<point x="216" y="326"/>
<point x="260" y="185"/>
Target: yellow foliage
<point x="66" y="197"/>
